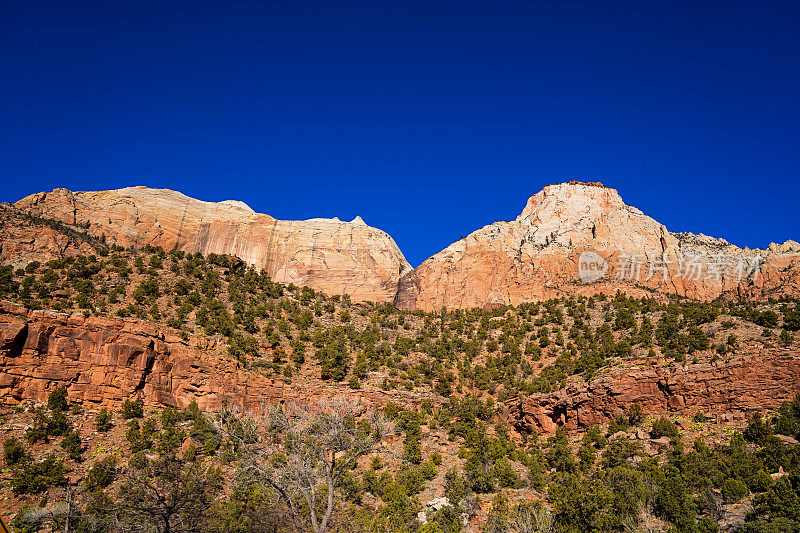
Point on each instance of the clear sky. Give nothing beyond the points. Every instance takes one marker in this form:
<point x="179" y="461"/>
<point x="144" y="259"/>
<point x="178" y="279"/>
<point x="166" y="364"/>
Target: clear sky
<point x="428" y="119"/>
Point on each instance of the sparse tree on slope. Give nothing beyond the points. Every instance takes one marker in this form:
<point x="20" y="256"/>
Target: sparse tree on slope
<point x="302" y="452"/>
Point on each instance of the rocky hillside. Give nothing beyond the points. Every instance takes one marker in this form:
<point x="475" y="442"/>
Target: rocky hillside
<point x="327" y="254"/>
<point x="114" y="365"/>
<point x="539" y="256"/>
<point x="539" y="375"/>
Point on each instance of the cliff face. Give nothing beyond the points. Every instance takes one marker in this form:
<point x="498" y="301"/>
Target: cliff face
<point x="23" y="240"/>
<point x="560" y="234"/>
<point x="104" y="361"/>
<point x="761" y="379"/>
<point x="326" y="254"/>
<point x="544" y="253"/>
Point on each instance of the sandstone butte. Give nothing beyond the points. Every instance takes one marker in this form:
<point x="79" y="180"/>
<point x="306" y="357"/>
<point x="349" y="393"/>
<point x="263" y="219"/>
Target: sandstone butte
<point x="331" y="255"/>
<point x="536" y="257"/>
<point x="104" y="361"/>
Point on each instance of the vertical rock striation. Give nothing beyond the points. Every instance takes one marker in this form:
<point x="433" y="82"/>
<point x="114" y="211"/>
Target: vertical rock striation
<point x="537" y="256"/>
<point x="327" y="254"/>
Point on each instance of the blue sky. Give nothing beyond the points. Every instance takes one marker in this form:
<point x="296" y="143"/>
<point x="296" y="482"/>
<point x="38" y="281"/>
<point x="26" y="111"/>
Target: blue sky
<point x="428" y="119"/>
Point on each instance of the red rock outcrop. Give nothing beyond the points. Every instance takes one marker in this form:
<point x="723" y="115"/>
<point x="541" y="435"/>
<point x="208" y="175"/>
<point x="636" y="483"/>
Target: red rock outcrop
<point x="103" y="361"/>
<point x="569" y="227"/>
<point x="327" y="254"/>
<point x="749" y="382"/>
<point x="23" y="240"/>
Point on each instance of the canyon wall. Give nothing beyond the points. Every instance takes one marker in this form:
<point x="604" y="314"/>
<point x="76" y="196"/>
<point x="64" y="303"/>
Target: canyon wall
<point x="103" y="361"/>
<point x="327" y="254"/>
<point x="541" y="254"/>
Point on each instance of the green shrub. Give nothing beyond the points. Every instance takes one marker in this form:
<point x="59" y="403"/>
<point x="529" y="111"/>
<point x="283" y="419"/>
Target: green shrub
<point x="132" y="409"/>
<point x="734" y="490"/>
<point x="44" y="426"/>
<point x="101" y="474"/>
<point x="455" y="487"/>
<point x="13" y="451"/>
<point x="57" y="400"/>
<point x="791" y="318"/>
<point x="58" y="424"/>
<point x="137" y="439"/>
<point x="635" y="414"/>
<point x="71" y="444"/>
<point x="103" y="420"/>
<point x="664" y="427"/>
<point x="38" y="430"/>
<point x="428" y="470"/>
<point x="757" y="429"/>
<point x="505" y="474"/>
<point x="34" y="478"/>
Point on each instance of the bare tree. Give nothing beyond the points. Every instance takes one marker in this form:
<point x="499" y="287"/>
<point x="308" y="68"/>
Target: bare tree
<point x="713" y="503"/>
<point x="302" y="451"/>
<point x="643" y="522"/>
<point x="533" y="520"/>
<point x="165" y="495"/>
<point x="59" y="516"/>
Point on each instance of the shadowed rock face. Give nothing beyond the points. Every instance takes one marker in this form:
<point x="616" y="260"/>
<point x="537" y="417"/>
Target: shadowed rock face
<point x="327" y="254"/>
<point x="537" y="256"/>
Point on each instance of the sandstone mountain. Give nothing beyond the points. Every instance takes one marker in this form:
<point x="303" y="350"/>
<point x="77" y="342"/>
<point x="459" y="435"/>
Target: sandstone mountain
<point x="563" y="230"/>
<point x="538" y="256"/>
<point x="327" y="254"/>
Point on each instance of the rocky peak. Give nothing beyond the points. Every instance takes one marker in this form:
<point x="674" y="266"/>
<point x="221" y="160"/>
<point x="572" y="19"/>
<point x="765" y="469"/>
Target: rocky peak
<point x="572" y="201"/>
<point x="534" y="257"/>
<point x="238" y="205"/>
<point x="539" y="256"/>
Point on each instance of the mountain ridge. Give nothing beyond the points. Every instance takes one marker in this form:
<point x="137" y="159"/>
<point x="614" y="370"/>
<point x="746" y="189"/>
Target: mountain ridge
<point x="326" y="254"/>
<point x="533" y="257"/>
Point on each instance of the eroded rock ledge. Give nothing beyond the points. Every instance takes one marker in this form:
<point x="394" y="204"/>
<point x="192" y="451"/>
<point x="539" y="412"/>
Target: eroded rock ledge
<point x="725" y="390"/>
<point x="103" y="361"/>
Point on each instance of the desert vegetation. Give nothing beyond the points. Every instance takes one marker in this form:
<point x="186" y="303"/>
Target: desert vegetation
<point x="447" y="463"/>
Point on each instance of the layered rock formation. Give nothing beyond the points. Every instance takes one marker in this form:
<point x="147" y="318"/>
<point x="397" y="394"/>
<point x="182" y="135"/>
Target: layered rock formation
<point x="564" y="231"/>
<point x="104" y="361"/>
<point x="327" y="254"/>
<point x="568" y="228"/>
<point x="761" y="379"/>
<point x="24" y="239"/>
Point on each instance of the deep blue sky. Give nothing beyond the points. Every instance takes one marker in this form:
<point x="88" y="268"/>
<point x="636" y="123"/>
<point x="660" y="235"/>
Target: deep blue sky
<point x="428" y="119"/>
